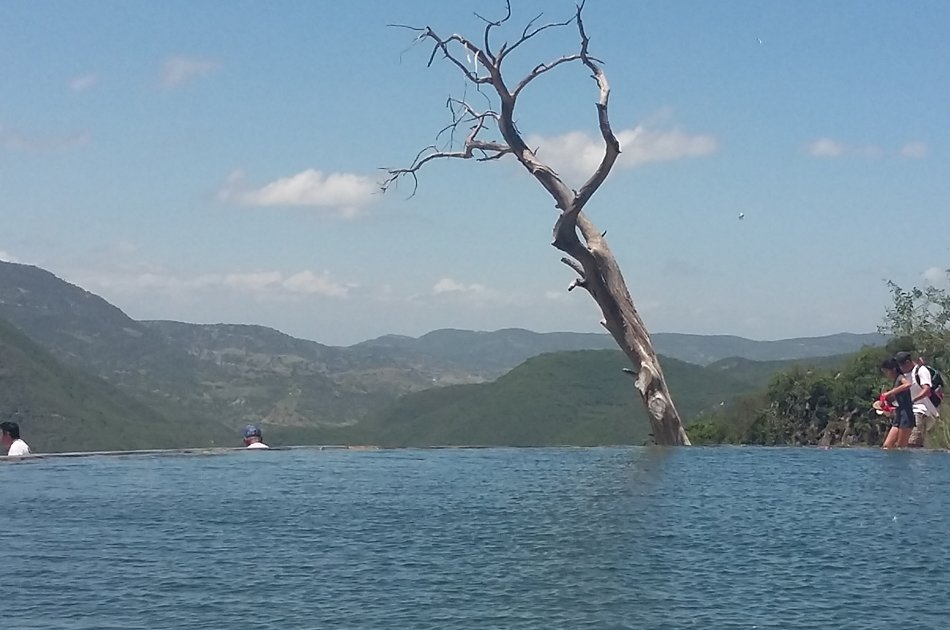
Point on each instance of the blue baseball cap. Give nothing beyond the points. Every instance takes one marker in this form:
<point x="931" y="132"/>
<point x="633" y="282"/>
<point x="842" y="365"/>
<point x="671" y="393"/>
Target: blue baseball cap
<point x="251" y="431"/>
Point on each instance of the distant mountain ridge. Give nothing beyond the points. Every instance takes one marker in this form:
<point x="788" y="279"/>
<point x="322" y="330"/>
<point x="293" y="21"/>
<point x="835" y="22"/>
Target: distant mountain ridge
<point x="226" y="375"/>
<point x="500" y="350"/>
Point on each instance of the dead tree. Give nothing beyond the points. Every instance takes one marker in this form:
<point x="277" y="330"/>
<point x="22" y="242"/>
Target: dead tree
<point x="575" y="235"/>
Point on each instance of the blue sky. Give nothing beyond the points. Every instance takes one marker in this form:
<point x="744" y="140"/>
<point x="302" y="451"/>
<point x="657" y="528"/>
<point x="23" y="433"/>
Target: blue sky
<point x="217" y="162"/>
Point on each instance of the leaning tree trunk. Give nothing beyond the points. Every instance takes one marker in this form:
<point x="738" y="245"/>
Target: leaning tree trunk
<point x="623" y="322"/>
<point x="586" y="249"/>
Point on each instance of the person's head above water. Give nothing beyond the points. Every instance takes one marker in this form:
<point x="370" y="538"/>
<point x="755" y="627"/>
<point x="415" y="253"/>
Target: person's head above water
<point x="10" y="433"/>
<point x="252" y="435"/>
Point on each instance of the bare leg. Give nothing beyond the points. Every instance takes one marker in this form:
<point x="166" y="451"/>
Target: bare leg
<point x="903" y="437"/>
<point x="916" y="435"/>
<point x="891" y="440"/>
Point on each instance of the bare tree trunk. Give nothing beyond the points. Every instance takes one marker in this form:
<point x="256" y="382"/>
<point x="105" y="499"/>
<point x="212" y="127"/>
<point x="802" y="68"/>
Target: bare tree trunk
<point x="623" y="322"/>
<point x="586" y="249"/>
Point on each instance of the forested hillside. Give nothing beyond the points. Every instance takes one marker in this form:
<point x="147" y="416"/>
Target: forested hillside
<point x="63" y="409"/>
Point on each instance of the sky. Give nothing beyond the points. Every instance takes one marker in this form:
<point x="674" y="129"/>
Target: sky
<point x="219" y="163"/>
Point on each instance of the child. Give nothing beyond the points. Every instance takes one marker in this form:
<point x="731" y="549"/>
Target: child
<point x="903" y="422"/>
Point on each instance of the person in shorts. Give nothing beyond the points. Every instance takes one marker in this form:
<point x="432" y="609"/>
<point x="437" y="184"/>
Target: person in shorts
<point x="925" y="413"/>
<point x="903" y="422"/>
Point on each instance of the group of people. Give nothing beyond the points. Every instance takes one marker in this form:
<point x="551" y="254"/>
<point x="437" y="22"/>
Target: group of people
<point x="16" y="447"/>
<point x="913" y="413"/>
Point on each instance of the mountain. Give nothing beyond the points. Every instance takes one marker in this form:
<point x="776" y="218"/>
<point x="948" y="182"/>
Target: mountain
<point x="706" y="349"/>
<point x="61" y="408"/>
<point x="228" y="374"/>
<point x="490" y="354"/>
<point x="756" y="374"/>
<point x="213" y="374"/>
<point x="576" y="398"/>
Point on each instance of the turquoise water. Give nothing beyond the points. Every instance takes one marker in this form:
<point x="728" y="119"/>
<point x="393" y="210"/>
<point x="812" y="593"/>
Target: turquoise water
<point x="719" y="538"/>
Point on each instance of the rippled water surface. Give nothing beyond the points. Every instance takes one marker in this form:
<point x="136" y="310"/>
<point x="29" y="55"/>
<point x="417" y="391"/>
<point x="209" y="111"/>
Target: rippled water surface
<point x="470" y="539"/>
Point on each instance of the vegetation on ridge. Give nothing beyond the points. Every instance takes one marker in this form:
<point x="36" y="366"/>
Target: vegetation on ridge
<point x="90" y="378"/>
<point x="832" y="406"/>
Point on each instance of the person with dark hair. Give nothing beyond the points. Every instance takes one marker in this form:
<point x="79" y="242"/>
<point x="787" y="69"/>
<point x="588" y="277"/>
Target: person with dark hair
<point x="921" y="386"/>
<point x="903" y="421"/>
<point x="10" y="438"/>
<point x="253" y="437"/>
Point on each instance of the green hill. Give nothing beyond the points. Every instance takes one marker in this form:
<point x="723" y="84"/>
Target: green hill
<point x="60" y="408"/>
<point x="577" y="398"/>
<point x="757" y="374"/>
<point x="302" y="391"/>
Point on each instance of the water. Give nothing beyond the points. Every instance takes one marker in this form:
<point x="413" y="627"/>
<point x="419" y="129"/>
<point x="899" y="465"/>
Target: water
<point x="720" y="538"/>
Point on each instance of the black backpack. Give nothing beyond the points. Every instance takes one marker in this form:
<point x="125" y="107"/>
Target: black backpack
<point x="936" y="384"/>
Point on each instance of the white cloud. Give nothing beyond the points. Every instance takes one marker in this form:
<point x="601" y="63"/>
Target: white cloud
<point x="180" y="70"/>
<point x="346" y="193"/>
<point x="578" y="153"/>
<point x="825" y="147"/>
<point x="448" y="285"/>
<point x="14" y="140"/>
<point x="83" y="82"/>
<point x="829" y="148"/>
<point x="145" y="279"/>
<point x="937" y="277"/>
<point x="303" y="282"/>
<point x="258" y="281"/>
<point x="914" y="150"/>
<point x="640" y="146"/>
<point x="475" y="294"/>
<point x="311" y="283"/>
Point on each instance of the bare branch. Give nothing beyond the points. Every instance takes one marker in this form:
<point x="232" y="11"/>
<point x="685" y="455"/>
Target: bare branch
<point x="573" y="264"/>
<point x="611" y="144"/>
<point x="488" y="157"/>
<point x="487" y="150"/>
<point x="528" y="33"/>
<point x="418" y="39"/>
<point x="443" y="45"/>
<point x="463" y="113"/>
<point x="540" y="69"/>
<point x="565" y="230"/>
<point x="489" y="25"/>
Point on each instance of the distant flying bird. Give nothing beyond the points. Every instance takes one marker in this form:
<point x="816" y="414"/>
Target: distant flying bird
<point x="741" y="215"/>
<point x="759" y="39"/>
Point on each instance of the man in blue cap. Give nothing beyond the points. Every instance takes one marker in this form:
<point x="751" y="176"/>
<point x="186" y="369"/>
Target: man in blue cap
<point x="253" y="438"/>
